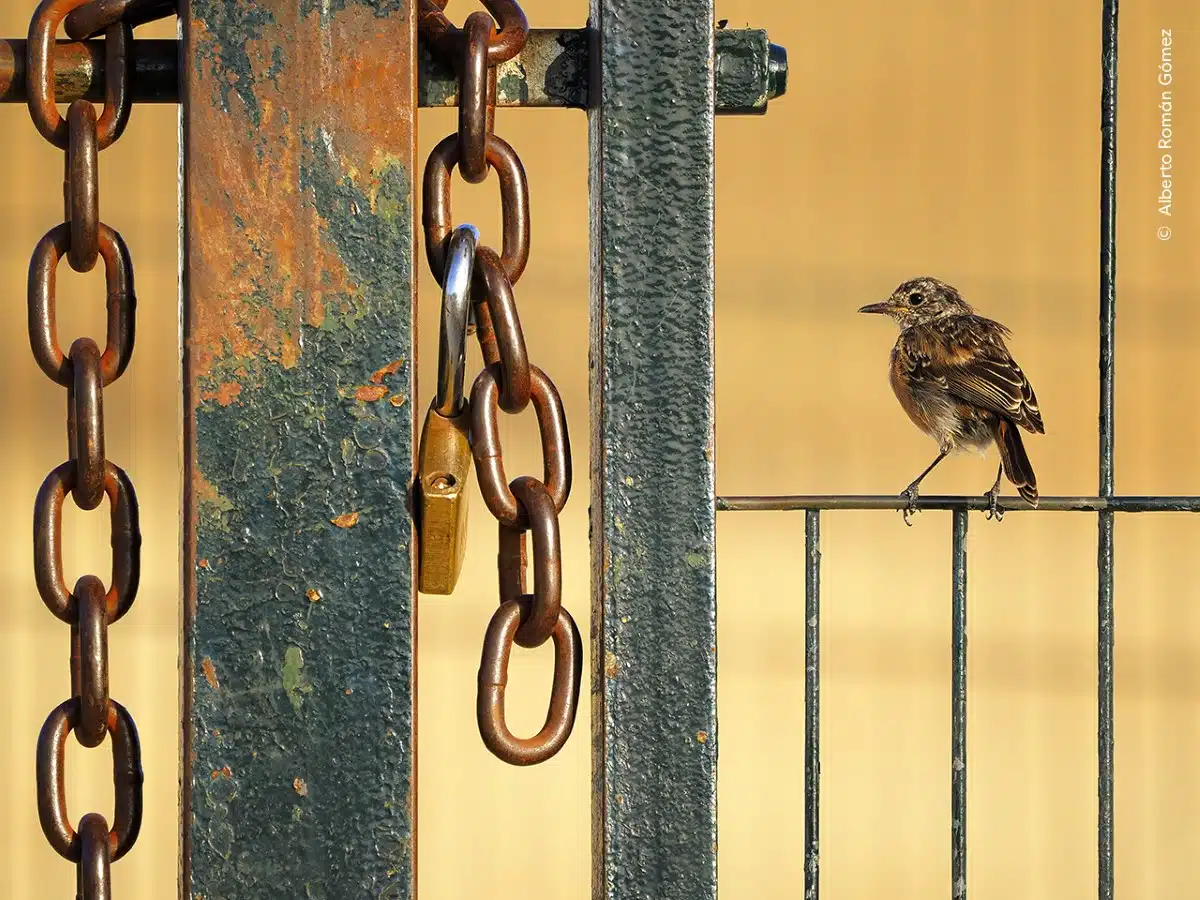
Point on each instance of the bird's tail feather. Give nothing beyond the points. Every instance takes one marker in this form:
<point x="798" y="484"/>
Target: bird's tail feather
<point x="1015" y="461"/>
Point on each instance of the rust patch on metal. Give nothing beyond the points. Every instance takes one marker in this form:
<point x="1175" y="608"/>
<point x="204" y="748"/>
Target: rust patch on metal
<point x="346" y="520"/>
<point x="252" y="306"/>
<point x="210" y="673"/>
<point x="390" y="369"/>
<point x="225" y="394"/>
<point x="208" y="498"/>
<point x="370" y="393"/>
<point x="610" y="664"/>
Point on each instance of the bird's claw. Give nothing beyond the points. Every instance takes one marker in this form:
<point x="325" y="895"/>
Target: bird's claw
<point x="993" y="510"/>
<point x="909" y="494"/>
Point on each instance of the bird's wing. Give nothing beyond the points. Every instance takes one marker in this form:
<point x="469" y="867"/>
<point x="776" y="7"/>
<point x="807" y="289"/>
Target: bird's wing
<point x="978" y="368"/>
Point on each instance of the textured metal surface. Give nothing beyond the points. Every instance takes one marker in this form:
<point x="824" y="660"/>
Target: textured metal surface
<point x="1106" y="628"/>
<point x="958" y="709"/>
<point x="1132" y="504"/>
<point x="298" y="291"/>
<point x="653" y="513"/>
<point x="812" y="704"/>
<point x="751" y="71"/>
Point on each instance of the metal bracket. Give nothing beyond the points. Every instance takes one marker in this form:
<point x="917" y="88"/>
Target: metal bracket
<point x="553" y="71"/>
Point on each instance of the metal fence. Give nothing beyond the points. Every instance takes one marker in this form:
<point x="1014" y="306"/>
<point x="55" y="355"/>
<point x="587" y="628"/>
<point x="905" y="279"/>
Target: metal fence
<point x="1105" y="504"/>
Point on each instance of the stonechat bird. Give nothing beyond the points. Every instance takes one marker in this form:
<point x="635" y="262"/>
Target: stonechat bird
<point x="958" y="383"/>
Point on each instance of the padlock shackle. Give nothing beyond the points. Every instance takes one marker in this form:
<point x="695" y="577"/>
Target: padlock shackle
<point x="456" y="310"/>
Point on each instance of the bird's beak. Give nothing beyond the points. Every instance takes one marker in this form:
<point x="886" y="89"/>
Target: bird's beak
<point x="875" y="308"/>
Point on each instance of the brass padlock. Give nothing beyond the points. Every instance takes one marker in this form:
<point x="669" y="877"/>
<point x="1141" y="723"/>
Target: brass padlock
<point x="444" y="464"/>
<point x="444" y="455"/>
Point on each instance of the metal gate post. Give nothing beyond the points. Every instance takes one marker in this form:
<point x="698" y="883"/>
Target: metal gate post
<point x="654" y="712"/>
<point x="298" y="769"/>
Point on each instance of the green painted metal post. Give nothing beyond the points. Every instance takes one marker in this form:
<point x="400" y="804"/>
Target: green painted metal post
<point x="654" y="652"/>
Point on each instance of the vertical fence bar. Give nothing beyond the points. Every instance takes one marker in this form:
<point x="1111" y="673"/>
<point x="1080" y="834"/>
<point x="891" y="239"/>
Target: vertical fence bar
<point x="958" y="711"/>
<point x="1105" y="691"/>
<point x="812" y="704"/>
<point x="653" y="500"/>
<point x="298" y="769"/>
<point x="1108" y="306"/>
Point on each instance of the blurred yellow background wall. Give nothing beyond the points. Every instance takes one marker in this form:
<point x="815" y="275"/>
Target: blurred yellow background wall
<point x="958" y="139"/>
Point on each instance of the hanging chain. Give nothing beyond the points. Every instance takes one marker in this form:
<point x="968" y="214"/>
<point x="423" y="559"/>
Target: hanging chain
<point x="87" y="475"/>
<point x="508" y="382"/>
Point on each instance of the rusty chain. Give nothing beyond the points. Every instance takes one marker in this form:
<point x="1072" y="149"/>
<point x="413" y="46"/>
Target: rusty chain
<point x="508" y="382"/>
<point x="85" y="370"/>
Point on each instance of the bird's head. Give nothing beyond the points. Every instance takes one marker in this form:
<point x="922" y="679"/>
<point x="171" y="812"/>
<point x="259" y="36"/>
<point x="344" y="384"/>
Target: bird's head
<point x="920" y="300"/>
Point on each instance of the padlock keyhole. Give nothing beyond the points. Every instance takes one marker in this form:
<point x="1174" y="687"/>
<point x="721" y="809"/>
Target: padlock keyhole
<point x="443" y="481"/>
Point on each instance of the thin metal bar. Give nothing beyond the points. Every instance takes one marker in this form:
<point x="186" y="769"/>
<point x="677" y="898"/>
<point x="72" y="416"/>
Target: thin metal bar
<point x="654" y="712"/>
<point x="958" y="712"/>
<point x="1106" y="625"/>
<point x="551" y="71"/>
<point x="79" y="71"/>
<point x="812" y="704"/>
<point x="1105" y="735"/>
<point x="1108" y="244"/>
<point x="933" y="502"/>
<point x="298" y="216"/>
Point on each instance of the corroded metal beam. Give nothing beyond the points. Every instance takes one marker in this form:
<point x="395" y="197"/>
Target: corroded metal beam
<point x="552" y="71"/>
<point x="298" y="767"/>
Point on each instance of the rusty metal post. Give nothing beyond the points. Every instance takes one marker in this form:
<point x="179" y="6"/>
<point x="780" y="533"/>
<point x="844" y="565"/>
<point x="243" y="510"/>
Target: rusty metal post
<point x="298" y="770"/>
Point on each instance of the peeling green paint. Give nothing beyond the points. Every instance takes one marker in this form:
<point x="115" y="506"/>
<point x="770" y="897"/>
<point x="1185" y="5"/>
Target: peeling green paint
<point x="294" y="682"/>
<point x="374" y="246"/>
<point x="212" y="508"/>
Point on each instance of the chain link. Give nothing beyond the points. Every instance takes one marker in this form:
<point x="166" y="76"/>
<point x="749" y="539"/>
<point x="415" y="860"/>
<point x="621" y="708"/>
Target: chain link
<point x="508" y="382"/>
<point x="477" y="102"/>
<point x="447" y="39"/>
<point x="91" y="713"/>
<point x="437" y="212"/>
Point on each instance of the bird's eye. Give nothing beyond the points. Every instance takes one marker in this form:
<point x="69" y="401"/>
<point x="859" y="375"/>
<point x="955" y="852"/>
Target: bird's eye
<point x="916" y="298"/>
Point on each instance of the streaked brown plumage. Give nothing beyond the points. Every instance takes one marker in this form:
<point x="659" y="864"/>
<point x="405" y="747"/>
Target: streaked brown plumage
<point x="954" y="377"/>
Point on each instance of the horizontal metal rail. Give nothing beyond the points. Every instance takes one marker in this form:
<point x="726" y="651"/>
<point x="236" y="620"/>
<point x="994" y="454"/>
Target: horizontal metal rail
<point x="1131" y="504"/>
<point x="551" y="71"/>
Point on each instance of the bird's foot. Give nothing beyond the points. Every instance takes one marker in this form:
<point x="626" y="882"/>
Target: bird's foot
<point x="909" y="494"/>
<point x="993" y="499"/>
